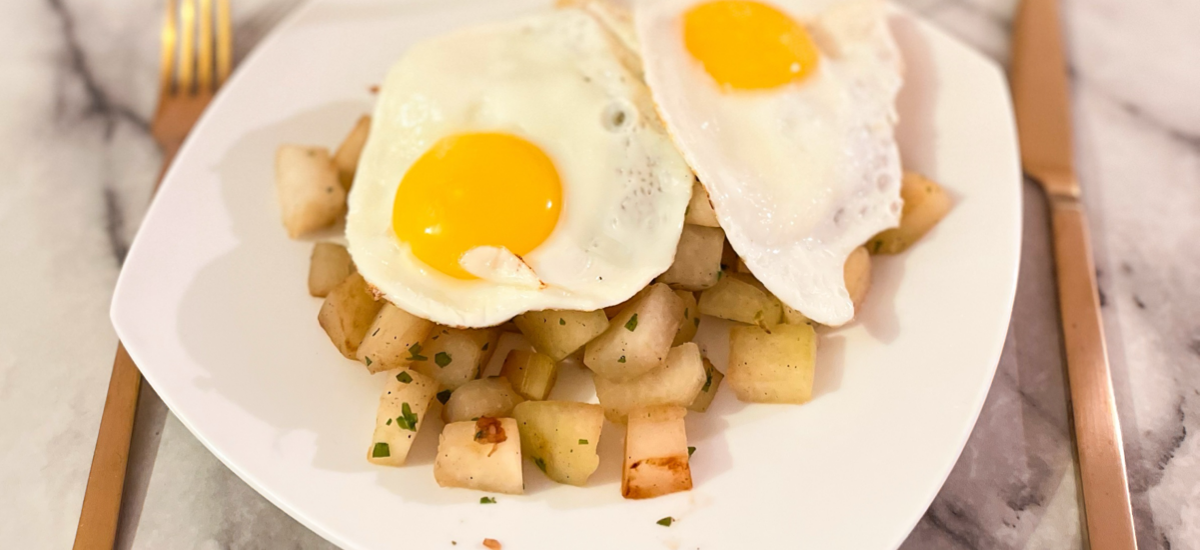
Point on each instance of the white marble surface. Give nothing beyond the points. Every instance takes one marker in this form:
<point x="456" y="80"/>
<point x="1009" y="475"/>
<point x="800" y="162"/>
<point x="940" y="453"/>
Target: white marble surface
<point x="78" y="86"/>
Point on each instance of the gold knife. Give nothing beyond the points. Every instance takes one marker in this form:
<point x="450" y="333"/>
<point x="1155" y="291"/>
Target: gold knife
<point x="1040" y="97"/>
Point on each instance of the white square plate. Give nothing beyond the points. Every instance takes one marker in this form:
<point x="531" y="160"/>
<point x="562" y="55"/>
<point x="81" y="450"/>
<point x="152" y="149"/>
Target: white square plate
<point x="212" y="305"/>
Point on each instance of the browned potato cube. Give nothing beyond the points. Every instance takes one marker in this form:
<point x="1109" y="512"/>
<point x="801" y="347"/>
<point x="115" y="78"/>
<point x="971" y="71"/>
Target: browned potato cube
<point x="691" y="318"/>
<point x="925" y="204"/>
<point x="858" y="275"/>
<point x="697" y="258"/>
<point x="772" y="367"/>
<point x="561" y="438"/>
<point x="454" y="356"/>
<point x="484" y="455"/>
<point x="346" y="157"/>
<point x="402" y="409"/>
<point x="393" y="340"/>
<point x="708" y="391"/>
<point x="676" y="382"/>
<point x="531" y="374"/>
<point x="310" y="195"/>
<point x="347" y="313"/>
<point x="330" y="265"/>
<point x="559" y="333"/>
<point x="494" y="397"/>
<point x="656" y="454"/>
<point x="638" y="338"/>
<point x="699" y="209"/>
<point x="740" y="297"/>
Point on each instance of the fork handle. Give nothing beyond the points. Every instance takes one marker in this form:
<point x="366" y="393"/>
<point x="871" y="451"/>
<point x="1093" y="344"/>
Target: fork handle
<point x="1097" y="428"/>
<point x="106" y="482"/>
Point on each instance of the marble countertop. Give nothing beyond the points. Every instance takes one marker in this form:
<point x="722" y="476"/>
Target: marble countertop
<point x="79" y="83"/>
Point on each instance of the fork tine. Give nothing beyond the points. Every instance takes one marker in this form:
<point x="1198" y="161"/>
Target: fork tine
<point x="224" y="42"/>
<point x="204" y="62"/>
<point x="187" y="46"/>
<point x="169" y="39"/>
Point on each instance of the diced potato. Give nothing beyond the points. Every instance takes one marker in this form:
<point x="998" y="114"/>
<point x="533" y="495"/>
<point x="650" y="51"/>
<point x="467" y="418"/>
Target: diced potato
<point x="453" y="356"/>
<point x="792" y="316"/>
<point x="772" y="367"/>
<point x="925" y="204"/>
<point x="330" y="265"/>
<point x="347" y="313"/>
<point x="531" y="374"/>
<point x="310" y="195"/>
<point x="656" y="454"/>
<point x="676" y="382"/>
<point x="708" y="391"/>
<point x="739" y="297"/>
<point x="697" y="258"/>
<point x="346" y="157"/>
<point x="691" y="318"/>
<point x="638" y="338"/>
<point x="561" y="438"/>
<point x="559" y="333"/>
<point x="699" y="209"/>
<point x="857" y="272"/>
<point x="494" y="397"/>
<point x="401" y="413"/>
<point x="484" y="455"/>
<point x="393" y="340"/>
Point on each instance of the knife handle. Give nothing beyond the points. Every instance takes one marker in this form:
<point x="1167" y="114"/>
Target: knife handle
<point x="1097" y="429"/>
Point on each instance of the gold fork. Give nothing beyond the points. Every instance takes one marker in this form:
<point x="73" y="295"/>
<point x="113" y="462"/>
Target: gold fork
<point x="197" y="57"/>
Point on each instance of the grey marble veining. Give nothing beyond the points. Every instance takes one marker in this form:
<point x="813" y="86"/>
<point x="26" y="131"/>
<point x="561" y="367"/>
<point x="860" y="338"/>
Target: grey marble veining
<point x="79" y="82"/>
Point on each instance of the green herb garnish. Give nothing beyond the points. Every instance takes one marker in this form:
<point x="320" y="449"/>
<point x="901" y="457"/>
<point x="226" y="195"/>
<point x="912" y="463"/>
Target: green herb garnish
<point x="487" y="500"/>
<point x="541" y="464"/>
<point x="442" y="359"/>
<point x="666" y="522"/>
<point x="404" y="377"/>
<point x="414" y="353"/>
<point x="690" y="451"/>
<point x="388" y="423"/>
<point x="562" y="321"/>
<point x="621" y="360"/>
<point x="407" y="420"/>
<point x="878" y="244"/>
<point x="632" y="323"/>
<point x="583" y="442"/>
<point x="368" y="360"/>
<point x="381" y="450"/>
<point x="443" y="396"/>
<point x="707" y="382"/>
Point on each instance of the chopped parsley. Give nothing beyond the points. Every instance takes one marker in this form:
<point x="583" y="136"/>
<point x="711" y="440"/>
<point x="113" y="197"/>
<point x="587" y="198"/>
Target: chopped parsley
<point x="541" y="464"/>
<point x="720" y="274"/>
<point x="631" y="325"/>
<point x="583" y="442"/>
<point x="690" y="451"/>
<point x="666" y="522"/>
<point x="621" y="360"/>
<point x="443" y="396"/>
<point x="404" y="377"/>
<point x="707" y="382"/>
<point x="562" y="321"/>
<point x="407" y="420"/>
<point x="381" y="450"/>
<point x="368" y="360"/>
<point x="442" y="359"/>
<point x="487" y="500"/>
<point x="388" y="423"/>
<point x="414" y="353"/>
<point x="878" y="244"/>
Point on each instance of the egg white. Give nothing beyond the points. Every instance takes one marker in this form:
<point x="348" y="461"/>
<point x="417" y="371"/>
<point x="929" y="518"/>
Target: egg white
<point x="557" y="81"/>
<point x="799" y="175"/>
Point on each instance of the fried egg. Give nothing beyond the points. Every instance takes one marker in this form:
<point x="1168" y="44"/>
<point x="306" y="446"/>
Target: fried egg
<point x="513" y="167"/>
<point x="786" y="116"/>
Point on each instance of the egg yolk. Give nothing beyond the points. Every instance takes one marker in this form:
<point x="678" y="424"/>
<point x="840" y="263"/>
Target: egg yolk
<point x="476" y="189"/>
<point x="748" y="45"/>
